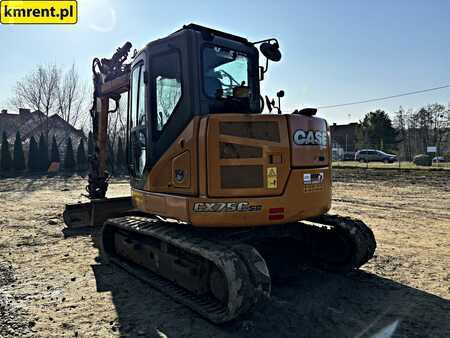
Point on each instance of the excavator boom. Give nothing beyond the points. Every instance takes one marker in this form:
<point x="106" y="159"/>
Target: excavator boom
<point x="111" y="78"/>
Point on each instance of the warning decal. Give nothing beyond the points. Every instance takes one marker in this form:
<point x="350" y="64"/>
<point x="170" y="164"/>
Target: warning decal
<point x="272" y="178"/>
<point x="313" y="182"/>
<point x="313" y="178"/>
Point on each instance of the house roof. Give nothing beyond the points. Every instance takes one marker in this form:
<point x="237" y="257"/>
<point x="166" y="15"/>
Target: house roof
<point x="33" y="124"/>
<point x="54" y="122"/>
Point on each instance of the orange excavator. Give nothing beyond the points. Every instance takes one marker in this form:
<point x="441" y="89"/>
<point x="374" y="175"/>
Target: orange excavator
<point x="223" y="197"/>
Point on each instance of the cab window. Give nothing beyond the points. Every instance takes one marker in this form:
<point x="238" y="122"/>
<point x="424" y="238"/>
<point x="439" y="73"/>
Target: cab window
<point x="137" y="122"/>
<point x="141" y="115"/>
<point x="166" y="75"/>
<point x="134" y="95"/>
<point x="225" y="72"/>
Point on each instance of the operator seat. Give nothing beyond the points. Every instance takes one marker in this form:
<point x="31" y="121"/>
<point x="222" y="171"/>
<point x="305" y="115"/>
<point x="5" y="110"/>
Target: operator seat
<point x="212" y="86"/>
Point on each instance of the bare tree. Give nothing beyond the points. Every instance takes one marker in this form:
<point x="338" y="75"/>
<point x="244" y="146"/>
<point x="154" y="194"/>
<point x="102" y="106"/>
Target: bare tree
<point x="428" y="126"/>
<point x="52" y="91"/>
<point x="71" y="97"/>
<point x="440" y="116"/>
<point x="38" y="90"/>
<point x="400" y="125"/>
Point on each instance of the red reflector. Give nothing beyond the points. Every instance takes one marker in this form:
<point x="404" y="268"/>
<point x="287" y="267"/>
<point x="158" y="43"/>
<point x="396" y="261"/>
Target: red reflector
<point x="275" y="217"/>
<point x="276" y="210"/>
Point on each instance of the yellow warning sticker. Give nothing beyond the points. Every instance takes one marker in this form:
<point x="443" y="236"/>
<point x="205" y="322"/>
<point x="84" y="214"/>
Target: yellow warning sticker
<point x="272" y="178"/>
<point x="137" y="196"/>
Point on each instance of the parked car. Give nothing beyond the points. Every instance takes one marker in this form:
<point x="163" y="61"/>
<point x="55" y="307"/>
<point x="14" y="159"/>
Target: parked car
<point x="423" y="160"/>
<point x="438" y="159"/>
<point x="372" y="155"/>
<point x="348" y="156"/>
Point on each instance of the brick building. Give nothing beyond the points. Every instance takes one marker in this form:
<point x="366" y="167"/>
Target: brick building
<point x="34" y="123"/>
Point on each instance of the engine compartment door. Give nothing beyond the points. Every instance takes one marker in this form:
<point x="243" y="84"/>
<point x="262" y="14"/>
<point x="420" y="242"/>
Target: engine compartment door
<point x="247" y="155"/>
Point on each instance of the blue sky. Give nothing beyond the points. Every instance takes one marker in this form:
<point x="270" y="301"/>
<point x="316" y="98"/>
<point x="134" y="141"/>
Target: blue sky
<point x="333" y="51"/>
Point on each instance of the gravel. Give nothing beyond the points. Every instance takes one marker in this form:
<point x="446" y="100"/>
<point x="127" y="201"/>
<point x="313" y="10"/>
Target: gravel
<point x="13" y="320"/>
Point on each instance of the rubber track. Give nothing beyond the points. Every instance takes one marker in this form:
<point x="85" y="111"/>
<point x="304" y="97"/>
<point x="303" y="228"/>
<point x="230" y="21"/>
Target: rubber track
<point x="235" y="246"/>
<point x="357" y="233"/>
<point x="245" y="293"/>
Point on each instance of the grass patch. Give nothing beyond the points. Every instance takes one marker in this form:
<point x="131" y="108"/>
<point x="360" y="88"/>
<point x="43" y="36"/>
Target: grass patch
<point x="393" y="166"/>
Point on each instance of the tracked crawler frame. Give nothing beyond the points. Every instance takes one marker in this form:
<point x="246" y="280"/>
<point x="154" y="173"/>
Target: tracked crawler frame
<point x="223" y="274"/>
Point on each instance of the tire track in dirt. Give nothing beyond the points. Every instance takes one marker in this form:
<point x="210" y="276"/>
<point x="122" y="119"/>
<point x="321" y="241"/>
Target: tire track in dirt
<point x="406" y="208"/>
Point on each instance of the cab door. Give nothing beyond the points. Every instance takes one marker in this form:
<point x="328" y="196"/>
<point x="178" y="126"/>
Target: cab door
<point x="137" y="125"/>
<point x="166" y="96"/>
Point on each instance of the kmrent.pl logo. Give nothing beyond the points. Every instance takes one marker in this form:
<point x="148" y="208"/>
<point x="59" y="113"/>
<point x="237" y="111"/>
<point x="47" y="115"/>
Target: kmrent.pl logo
<point x="38" y="12"/>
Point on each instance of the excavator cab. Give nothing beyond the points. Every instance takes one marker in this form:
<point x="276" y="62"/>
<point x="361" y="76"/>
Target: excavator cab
<point x="191" y="73"/>
<point x="199" y="149"/>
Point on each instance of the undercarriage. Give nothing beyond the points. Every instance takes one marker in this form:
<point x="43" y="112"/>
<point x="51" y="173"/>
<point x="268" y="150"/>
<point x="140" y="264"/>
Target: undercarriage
<point x="223" y="274"/>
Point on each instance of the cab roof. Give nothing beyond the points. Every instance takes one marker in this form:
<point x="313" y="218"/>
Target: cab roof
<point x="207" y="30"/>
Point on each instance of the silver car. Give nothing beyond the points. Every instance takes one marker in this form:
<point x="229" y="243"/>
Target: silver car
<point x="372" y="155"/>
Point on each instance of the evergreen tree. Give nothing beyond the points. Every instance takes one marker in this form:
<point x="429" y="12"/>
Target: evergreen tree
<point x="6" y="160"/>
<point x="33" y="156"/>
<point x="69" y="159"/>
<point x="81" y="157"/>
<point x="121" y="158"/>
<point x="19" y="158"/>
<point x="43" y="153"/>
<point x="90" y="144"/>
<point x="376" y="131"/>
<point x="55" y="151"/>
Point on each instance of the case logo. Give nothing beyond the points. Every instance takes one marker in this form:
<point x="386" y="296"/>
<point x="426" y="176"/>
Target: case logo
<point x="310" y="137"/>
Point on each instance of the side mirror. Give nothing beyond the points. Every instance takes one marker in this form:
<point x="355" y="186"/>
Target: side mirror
<point x="271" y="51"/>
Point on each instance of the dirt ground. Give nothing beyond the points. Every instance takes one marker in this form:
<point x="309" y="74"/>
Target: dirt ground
<point x="51" y="286"/>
